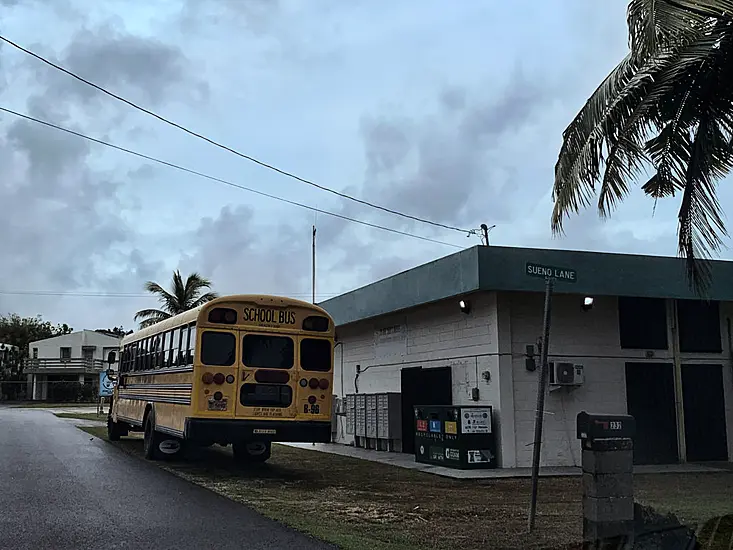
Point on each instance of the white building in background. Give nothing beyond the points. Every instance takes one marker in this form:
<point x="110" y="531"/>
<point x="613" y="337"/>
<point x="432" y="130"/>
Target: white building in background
<point x="464" y="330"/>
<point x="76" y="357"/>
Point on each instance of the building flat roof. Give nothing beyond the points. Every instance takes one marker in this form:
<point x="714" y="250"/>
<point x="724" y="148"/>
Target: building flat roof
<point x="486" y="268"/>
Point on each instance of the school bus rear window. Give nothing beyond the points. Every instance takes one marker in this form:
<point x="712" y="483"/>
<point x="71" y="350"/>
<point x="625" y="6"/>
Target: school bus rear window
<point x="315" y="354"/>
<point x="269" y="352"/>
<point x="217" y="348"/>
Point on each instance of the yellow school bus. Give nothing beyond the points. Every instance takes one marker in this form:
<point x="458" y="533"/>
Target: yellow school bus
<point x="244" y="370"/>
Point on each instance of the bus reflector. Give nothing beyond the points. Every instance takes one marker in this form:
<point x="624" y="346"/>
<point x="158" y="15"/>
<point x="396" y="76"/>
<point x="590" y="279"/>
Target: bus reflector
<point x="303" y="382"/>
<point x="313" y="383"/>
<point x="323" y="384"/>
<point x="218" y="378"/>
<point x="272" y="376"/>
<point x="207" y="378"/>
<point x="230" y="379"/>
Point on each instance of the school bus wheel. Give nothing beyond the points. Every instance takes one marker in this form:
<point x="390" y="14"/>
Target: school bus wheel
<point x="151" y="439"/>
<point x="252" y="451"/>
<point x="115" y="430"/>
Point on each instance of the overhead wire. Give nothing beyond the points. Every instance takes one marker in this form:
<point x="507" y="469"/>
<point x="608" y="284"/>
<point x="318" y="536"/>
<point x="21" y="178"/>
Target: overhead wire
<point x="230" y="149"/>
<point x="223" y="181"/>
<point x="91" y="294"/>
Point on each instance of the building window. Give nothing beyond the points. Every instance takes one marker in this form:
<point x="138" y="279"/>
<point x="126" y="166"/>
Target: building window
<point x="642" y="323"/>
<point x="699" y="326"/>
<point x="65" y="353"/>
<point x="35" y="353"/>
<point x="87" y="353"/>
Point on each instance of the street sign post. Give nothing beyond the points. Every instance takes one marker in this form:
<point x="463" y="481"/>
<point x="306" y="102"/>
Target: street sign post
<point x="550" y="274"/>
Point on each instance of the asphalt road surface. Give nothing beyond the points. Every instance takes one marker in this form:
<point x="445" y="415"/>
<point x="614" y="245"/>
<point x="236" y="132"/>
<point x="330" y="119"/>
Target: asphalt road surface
<point x="59" y="490"/>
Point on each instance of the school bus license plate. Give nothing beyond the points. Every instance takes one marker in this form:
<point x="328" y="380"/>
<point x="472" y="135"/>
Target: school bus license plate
<point x="217" y="405"/>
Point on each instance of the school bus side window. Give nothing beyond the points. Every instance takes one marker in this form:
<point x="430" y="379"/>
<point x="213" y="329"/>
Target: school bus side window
<point x="191" y="344"/>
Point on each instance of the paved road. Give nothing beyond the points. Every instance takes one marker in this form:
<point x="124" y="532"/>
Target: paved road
<point x="59" y="490"/>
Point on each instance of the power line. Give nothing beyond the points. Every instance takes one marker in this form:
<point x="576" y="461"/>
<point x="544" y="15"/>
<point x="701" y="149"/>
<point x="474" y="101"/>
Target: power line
<point x="82" y="294"/>
<point x="227" y="148"/>
<point x="225" y="182"/>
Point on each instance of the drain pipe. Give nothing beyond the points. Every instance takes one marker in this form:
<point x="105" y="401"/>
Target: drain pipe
<point x="342" y="366"/>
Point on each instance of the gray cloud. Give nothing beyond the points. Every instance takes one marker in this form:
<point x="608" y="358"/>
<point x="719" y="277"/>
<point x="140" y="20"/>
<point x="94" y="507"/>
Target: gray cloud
<point x="254" y="15"/>
<point x="241" y="257"/>
<point x="140" y="68"/>
<point x="62" y="224"/>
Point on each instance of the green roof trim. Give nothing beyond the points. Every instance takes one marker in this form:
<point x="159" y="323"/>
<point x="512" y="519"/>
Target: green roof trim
<point x="505" y="268"/>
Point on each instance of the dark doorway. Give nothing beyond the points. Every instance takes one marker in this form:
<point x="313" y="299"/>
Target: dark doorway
<point x="422" y="387"/>
<point x="650" y="400"/>
<point x="704" y="406"/>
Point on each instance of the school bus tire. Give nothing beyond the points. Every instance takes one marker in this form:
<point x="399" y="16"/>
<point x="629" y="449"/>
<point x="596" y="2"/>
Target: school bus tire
<point x="252" y="452"/>
<point x="115" y="430"/>
<point x="151" y="439"/>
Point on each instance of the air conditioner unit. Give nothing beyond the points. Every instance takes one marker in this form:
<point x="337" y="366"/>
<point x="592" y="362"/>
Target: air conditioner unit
<point x="566" y="374"/>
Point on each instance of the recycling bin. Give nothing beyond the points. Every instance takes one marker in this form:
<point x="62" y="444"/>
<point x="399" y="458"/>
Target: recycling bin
<point x="455" y="436"/>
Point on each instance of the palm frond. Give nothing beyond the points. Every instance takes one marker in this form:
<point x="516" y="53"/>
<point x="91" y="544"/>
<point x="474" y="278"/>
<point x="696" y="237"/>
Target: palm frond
<point x="656" y="25"/>
<point x="148" y="317"/>
<point x="204" y="299"/>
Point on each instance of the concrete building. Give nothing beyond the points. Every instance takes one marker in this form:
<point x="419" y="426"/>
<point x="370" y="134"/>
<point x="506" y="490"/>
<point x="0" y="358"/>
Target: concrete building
<point x="647" y="346"/>
<point x="78" y="356"/>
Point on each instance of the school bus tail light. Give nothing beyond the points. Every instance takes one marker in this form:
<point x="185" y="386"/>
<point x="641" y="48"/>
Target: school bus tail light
<point x="313" y="383"/>
<point x="207" y="378"/>
<point x="323" y="384"/>
<point x="218" y="379"/>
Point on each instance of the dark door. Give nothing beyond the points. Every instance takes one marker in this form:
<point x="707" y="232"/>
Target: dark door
<point x="422" y="387"/>
<point x="704" y="405"/>
<point x="650" y="400"/>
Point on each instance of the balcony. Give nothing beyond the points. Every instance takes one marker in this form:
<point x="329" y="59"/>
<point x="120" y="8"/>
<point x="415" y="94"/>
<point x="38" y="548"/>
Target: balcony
<point x="64" y="366"/>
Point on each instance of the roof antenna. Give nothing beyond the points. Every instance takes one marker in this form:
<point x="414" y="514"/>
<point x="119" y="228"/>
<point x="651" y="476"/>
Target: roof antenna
<point x="486" y="230"/>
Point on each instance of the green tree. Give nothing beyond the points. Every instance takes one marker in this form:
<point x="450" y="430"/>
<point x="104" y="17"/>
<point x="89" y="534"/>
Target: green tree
<point x="665" y="109"/>
<point x="182" y="297"/>
<point x="116" y="331"/>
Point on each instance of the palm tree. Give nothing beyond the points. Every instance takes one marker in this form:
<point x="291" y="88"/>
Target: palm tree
<point x="182" y="297"/>
<point x="667" y="107"/>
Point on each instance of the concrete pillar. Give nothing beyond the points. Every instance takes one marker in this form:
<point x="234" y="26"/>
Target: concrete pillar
<point x="44" y="387"/>
<point x="81" y="379"/>
<point x="29" y="386"/>
<point x="608" y="487"/>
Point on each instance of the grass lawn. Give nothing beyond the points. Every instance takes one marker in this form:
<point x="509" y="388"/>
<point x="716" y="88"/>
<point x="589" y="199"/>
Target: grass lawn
<point x="365" y="505"/>
<point x="51" y="405"/>
<point x="358" y="504"/>
<point x="84" y="416"/>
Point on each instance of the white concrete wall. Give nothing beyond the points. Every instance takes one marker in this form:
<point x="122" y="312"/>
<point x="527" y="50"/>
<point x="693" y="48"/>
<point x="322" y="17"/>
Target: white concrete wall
<point x="50" y="348"/>
<point x="592" y="339"/>
<point x="435" y="335"/>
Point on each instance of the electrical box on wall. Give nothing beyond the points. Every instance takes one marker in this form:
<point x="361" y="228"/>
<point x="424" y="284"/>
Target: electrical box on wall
<point x="566" y="374"/>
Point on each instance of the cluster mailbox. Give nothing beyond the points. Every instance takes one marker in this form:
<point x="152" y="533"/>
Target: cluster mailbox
<point x="455" y="436"/>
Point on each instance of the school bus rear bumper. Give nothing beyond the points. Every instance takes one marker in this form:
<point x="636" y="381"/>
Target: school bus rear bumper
<point x="207" y="430"/>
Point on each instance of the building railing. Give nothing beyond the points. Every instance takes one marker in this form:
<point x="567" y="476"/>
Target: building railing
<point x="78" y="363"/>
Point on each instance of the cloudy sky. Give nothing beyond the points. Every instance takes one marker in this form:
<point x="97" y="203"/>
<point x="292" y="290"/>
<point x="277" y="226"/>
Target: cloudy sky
<point x="451" y="111"/>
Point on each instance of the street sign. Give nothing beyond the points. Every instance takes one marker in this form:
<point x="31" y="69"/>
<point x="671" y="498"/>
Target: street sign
<point x="105" y="385"/>
<point x="558" y="273"/>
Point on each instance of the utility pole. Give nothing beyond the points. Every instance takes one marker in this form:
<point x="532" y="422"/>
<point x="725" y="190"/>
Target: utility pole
<point x="486" y="230"/>
<point x="313" y="274"/>
<point x="540" y="410"/>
